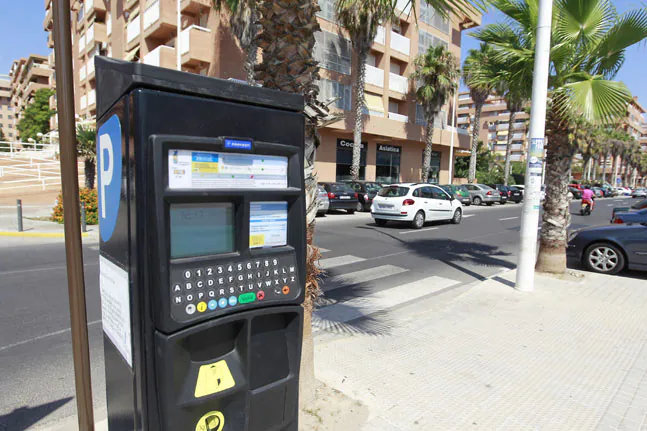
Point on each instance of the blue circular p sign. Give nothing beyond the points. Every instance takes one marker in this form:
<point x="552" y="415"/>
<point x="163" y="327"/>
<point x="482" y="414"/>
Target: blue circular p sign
<point x="109" y="175"/>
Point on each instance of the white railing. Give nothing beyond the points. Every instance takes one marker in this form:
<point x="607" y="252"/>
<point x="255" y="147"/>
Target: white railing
<point x="84" y="101"/>
<point x="32" y="173"/>
<point x="92" y="98"/>
<point x="398" y="83"/>
<point x="463" y="120"/>
<point x="134" y="28"/>
<point x="400" y="43"/>
<point x="517" y="136"/>
<point x="398" y="117"/>
<point x="108" y="24"/>
<point x="380" y="37"/>
<point x="26" y="149"/>
<point x="152" y="15"/>
<point x="90" y="66"/>
<point x="502" y="127"/>
<point x="374" y="76"/>
<point x="81" y="43"/>
<point x="518" y="125"/>
<point x="516" y="147"/>
<point x="153" y="57"/>
<point x="458" y="130"/>
<point x="89" y="35"/>
<point x="82" y="73"/>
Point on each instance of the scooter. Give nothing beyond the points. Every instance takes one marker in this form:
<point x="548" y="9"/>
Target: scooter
<point x="586" y="207"/>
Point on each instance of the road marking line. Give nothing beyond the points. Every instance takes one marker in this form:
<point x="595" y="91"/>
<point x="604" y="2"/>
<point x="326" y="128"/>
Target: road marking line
<point x="609" y="205"/>
<point x="48" y="268"/>
<point x="352" y="309"/>
<point x="418" y="230"/>
<point x="40" y="337"/>
<point x="508" y="218"/>
<point x="323" y="250"/>
<point x="333" y="262"/>
<point x="364" y="275"/>
<point x="468" y="215"/>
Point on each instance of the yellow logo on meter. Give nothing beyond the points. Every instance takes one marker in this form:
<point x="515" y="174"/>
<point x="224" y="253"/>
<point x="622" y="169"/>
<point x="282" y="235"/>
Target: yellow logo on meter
<point x="213" y="378"/>
<point x="212" y="421"/>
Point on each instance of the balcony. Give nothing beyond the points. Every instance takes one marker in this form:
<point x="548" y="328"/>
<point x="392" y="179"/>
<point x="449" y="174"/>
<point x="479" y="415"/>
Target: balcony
<point x="194" y="7"/>
<point x="130" y="4"/>
<point x="517" y="136"/>
<point x="90" y="69"/>
<point x="400" y="43"/>
<point x="519" y="125"/>
<point x="50" y="40"/>
<point x="82" y="45"/>
<point x="48" y="21"/>
<point x="195" y="46"/>
<point x="94" y="7"/>
<point x="516" y="147"/>
<point x="380" y="37"/>
<point x="398" y="83"/>
<point x="133" y="29"/>
<point x="84" y="102"/>
<point x="403" y="6"/>
<point x="463" y="120"/>
<point x="502" y="127"/>
<point x="398" y="117"/>
<point x="82" y="73"/>
<point x="374" y="76"/>
<point x="92" y="99"/>
<point x="162" y="56"/>
<point x="97" y="33"/>
<point x="160" y="20"/>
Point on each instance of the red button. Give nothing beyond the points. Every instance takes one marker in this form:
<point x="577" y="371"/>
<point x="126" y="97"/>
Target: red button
<point x="286" y="290"/>
<point x="260" y="295"/>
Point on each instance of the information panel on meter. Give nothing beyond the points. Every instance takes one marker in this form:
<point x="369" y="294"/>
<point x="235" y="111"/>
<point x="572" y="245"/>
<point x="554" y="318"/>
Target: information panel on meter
<point x="204" y="277"/>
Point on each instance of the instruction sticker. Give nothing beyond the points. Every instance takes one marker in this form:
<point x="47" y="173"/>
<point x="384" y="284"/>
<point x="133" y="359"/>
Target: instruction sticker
<point x="212" y="421"/>
<point x="268" y="224"/>
<point x="211" y="170"/>
<point x="213" y="378"/>
<point x="115" y="307"/>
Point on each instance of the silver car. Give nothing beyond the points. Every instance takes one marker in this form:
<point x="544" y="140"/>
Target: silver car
<point x="480" y="193"/>
<point x="322" y="200"/>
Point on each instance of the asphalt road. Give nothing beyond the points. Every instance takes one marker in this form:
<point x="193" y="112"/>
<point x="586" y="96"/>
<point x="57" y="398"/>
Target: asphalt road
<point x="36" y="374"/>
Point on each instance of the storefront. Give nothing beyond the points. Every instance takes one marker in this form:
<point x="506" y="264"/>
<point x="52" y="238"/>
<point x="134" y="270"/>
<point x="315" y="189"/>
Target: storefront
<point x="434" y="166"/>
<point x="387" y="163"/>
<point x="345" y="160"/>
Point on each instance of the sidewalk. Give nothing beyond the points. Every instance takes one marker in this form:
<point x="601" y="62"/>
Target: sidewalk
<point x="34" y="223"/>
<point x="572" y="355"/>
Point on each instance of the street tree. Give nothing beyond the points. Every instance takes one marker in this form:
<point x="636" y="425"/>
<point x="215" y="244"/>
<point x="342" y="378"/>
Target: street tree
<point x="87" y="149"/>
<point x="35" y="117"/>
<point x="436" y="74"/>
<point x="516" y="94"/>
<point x="588" y="43"/>
<point x="2" y="137"/>
<point x="617" y="140"/>
<point x="475" y="65"/>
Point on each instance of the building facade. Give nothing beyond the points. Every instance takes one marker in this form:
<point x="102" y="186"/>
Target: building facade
<point x="495" y="128"/>
<point x="27" y="76"/>
<point x="146" y="31"/>
<point x="7" y="124"/>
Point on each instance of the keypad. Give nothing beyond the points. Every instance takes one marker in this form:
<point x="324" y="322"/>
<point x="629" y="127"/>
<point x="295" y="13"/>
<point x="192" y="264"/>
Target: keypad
<point x="200" y="290"/>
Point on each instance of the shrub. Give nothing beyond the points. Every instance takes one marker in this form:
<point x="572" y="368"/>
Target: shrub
<point x="87" y="196"/>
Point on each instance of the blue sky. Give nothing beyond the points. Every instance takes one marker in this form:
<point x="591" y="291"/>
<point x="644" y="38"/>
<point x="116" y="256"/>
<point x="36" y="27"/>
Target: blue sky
<point x="21" y="33"/>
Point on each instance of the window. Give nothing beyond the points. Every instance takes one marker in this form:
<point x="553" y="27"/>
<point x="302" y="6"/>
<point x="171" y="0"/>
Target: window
<point x="439" y="121"/>
<point x="471" y="187"/>
<point x="429" y="15"/>
<point x="393" y="192"/>
<point x="425" y="40"/>
<point x="439" y="194"/>
<point x="328" y="89"/>
<point x="333" y="52"/>
<point x="426" y="193"/>
<point x="327" y="10"/>
<point x="387" y="163"/>
<point x="345" y="160"/>
<point x="434" y="166"/>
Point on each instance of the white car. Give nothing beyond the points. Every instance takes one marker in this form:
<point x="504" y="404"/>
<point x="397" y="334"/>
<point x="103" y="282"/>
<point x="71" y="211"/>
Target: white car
<point x="416" y="204"/>
<point x="623" y="191"/>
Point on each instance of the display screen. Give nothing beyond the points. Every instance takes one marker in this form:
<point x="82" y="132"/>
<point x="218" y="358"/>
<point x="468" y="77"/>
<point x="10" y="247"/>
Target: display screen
<point x="201" y="229"/>
<point x="268" y="224"/>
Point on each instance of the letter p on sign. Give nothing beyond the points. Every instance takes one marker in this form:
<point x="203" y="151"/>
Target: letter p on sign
<point x="109" y="162"/>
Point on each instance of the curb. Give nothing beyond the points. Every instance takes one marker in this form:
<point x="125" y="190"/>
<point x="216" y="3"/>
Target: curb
<point x="37" y="235"/>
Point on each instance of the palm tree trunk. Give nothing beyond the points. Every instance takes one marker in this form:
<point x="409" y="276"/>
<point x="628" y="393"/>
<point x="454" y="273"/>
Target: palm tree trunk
<point x="429" y="137"/>
<point x="556" y="216"/>
<point x="471" y="176"/>
<point x="89" y="168"/>
<point x="585" y="168"/>
<point x="614" y="170"/>
<point x="508" y="148"/>
<point x="604" y="167"/>
<point x="359" y="108"/>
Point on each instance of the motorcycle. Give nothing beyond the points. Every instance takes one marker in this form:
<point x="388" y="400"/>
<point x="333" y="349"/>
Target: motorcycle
<point x="586" y="208"/>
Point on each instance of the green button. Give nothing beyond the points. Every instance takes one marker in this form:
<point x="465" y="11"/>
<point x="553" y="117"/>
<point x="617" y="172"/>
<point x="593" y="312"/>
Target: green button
<point x="246" y="298"/>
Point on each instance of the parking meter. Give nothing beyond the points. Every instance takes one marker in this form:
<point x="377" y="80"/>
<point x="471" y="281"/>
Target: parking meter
<point x="202" y="250"/>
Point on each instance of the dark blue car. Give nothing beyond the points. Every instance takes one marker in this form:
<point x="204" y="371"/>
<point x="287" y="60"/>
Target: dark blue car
<point x="610" y="249"/>
<point x="630" y="217"/>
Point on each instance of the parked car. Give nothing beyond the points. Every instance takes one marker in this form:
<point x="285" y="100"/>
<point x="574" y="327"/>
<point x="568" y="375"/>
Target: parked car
<point x="577" y="193"/>
<point x="503" y="191"/>
<point x="630" y="217"/>
<point x="639" y="193"/>
<point x="599" y="193"/>
<point x="416" y="204"/>
<point x="366" y="191"/>
<point x="640" y="205"/>
<point x="341" y="197"/>
<point x="480" y="193"/>
<point x="323" y="202"/>
<point x="521" y="188"/>
<point x="623" y="191"/>
<point x="515" y="194"/>
<point x="610" y="249"/>
<point x="576" y="186"/>
<point x="458" y="192"/>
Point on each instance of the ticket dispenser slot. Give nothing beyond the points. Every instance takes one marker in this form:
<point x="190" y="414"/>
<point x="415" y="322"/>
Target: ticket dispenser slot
<point x="202" y="250"/>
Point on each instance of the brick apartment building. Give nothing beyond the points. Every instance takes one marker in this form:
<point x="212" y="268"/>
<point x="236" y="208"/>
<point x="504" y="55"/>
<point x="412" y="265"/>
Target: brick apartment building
<point x="146" y="31"/>
<point x="27" y="75"/>
<point x="6" y="110"/>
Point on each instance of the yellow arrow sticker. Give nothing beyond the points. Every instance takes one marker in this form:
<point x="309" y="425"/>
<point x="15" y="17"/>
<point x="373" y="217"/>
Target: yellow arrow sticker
<point x="212" y="421"/>
<point x="213" y="378"/>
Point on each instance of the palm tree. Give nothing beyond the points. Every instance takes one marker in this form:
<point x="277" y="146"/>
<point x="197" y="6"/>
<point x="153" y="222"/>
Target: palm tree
<point x="244" y="25"/>
<point x="436" y="73"/>
<point x="515" y="93"/>
<point x="361" y="18"/>
<point x="475" y="65"/>
<point x="86" y="147"/>
<point x="588" y="43"/>
<point x="618" y="140"/>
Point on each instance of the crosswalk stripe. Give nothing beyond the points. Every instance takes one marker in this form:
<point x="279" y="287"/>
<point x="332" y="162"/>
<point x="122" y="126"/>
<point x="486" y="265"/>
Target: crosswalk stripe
<point x="363" y="275"/>
<point x="323" y="250"/>
<point x="332" y="262"/>
<point x="360" y="307"/>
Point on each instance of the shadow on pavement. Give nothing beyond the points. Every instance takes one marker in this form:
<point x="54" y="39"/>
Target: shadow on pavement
<point x="636" y="275"/>
<point x="24" y="418"/>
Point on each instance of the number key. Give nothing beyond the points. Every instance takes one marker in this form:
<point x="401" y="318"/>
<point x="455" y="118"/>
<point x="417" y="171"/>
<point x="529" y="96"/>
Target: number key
<point x="239" y="267"/>
<point x="248" y="265"/>
<point x="198" y="273"/>
<point x="275" y="261"/>
<point x="187" y="274"/>
<point x="209" y="271"/>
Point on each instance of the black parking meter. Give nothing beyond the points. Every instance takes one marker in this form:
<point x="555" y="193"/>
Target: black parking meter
<point x="202" y="254"/>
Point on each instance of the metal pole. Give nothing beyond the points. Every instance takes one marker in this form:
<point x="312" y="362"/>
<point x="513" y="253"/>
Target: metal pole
<point x="19" y="208"/>
<point x="451" y="140"/>
<point x="83" y="223"/>
<point x="534" y="168"/>
<point x="177" y="39"/>
<point x="70" y="186"/>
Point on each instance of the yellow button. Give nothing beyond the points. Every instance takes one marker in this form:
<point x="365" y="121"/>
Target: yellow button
<point x="202" y="307"/>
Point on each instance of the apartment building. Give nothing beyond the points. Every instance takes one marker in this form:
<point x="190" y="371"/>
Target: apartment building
<point x="495" y="128"/>
<point x="27" y="75"/>
<point x="146" y="31"/>
<point x="7" y="124"/>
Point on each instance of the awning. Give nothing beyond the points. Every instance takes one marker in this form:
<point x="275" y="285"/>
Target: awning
<point x="503" y="132"/>
<point x="130" y="55"/>
<point x="374" y="103"/>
